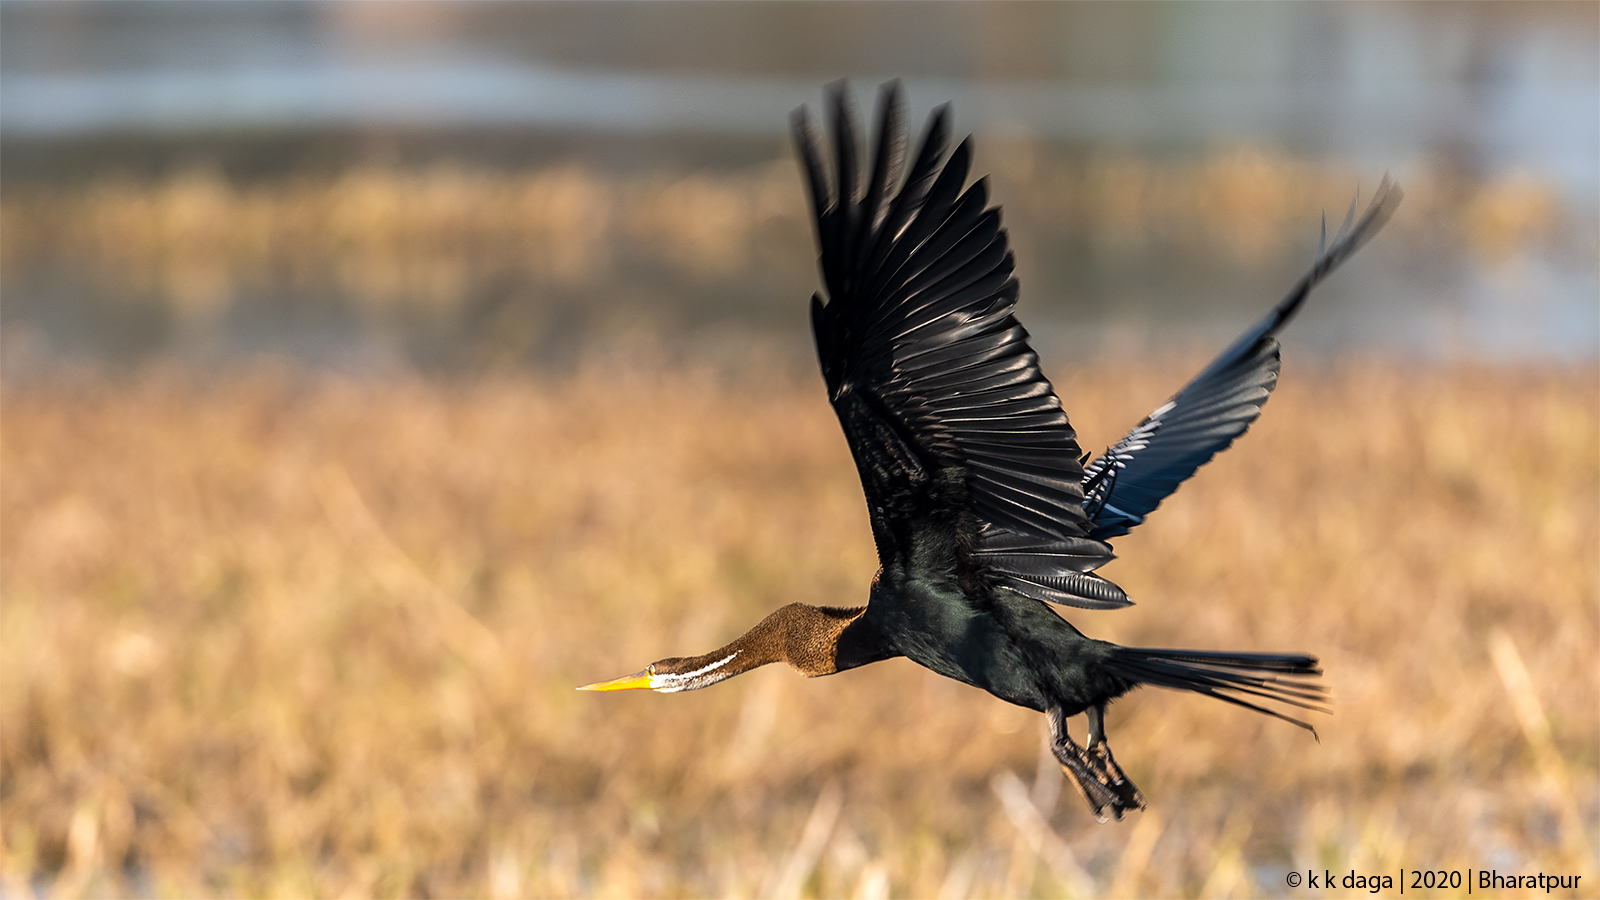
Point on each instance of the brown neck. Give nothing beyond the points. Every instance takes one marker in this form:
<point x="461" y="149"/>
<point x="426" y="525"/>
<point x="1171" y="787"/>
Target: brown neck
<point x="811" y="639"/>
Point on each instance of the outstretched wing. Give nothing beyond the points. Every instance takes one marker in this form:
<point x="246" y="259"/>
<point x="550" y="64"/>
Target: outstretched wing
<point x="926" y="366"/>
<point x="1131" y="479"/>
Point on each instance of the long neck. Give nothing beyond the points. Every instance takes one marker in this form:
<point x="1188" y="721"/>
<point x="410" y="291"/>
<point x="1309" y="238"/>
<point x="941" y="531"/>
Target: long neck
<point x="814" y="640"/>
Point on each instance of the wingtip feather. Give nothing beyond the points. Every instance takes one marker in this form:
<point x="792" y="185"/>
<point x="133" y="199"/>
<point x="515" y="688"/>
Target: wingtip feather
<point x="846" y="146"/>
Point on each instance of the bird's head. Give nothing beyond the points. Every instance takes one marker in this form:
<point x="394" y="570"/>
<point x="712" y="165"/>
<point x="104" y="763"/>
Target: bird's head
<point x="675" y="674"/>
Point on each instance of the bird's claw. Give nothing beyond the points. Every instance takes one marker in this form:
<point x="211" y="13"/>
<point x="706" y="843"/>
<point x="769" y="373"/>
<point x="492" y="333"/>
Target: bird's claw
<point x="1101" y="779"/>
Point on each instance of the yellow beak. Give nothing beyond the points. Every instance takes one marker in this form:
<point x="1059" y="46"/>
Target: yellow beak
<point x="636" y="681"/>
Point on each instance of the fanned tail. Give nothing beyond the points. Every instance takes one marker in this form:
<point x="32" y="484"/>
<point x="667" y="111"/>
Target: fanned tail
<point x="1233" y="677"/>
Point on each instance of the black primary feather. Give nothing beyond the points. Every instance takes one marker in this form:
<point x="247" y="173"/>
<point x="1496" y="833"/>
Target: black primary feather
<point x="1130" y="479"/>
<point x="927" y="367"/>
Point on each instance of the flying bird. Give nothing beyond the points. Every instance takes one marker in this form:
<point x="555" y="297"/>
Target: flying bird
<point x="982" y="509"/>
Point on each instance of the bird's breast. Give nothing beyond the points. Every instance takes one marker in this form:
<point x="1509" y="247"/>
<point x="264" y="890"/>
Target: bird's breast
<point x="934" y="624"/>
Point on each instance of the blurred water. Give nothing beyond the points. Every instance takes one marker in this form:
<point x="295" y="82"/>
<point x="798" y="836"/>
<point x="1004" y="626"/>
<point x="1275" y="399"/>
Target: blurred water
<point x="1489" y="94"/>
<point x="1511" y="86"/>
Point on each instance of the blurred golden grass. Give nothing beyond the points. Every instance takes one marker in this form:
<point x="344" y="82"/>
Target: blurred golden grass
<point x="305" y="636"/>
<point x="393" y="238"/>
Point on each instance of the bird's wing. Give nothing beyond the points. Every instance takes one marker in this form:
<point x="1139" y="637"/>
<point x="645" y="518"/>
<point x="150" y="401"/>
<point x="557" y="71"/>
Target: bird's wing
<point x="926" y="366"/>
<point x="1131" y="479"/>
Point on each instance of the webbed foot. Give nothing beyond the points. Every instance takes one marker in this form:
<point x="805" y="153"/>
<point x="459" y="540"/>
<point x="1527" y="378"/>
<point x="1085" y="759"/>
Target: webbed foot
<point x="1095" y="770"/>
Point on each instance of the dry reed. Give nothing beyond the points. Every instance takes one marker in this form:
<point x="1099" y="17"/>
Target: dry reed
<point x="293" y="635"/>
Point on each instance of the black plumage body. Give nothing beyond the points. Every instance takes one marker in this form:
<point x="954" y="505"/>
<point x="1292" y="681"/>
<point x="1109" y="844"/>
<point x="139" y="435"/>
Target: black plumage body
<point x="936" y="605"/>
<point x="1007" y="645"/>
<point x="981" y="508"/>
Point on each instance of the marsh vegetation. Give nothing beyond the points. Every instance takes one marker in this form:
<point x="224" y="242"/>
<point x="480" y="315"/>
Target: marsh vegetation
<point x="274" y="633"/>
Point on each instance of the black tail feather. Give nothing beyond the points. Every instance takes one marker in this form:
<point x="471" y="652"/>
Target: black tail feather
<point x="1230" y="677"/>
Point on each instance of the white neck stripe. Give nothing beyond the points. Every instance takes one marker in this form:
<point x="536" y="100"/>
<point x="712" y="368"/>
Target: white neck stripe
<point x="670" y="681"/>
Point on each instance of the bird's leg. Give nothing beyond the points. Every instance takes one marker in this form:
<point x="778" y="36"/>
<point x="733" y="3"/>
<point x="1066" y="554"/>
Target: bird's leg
<point x="1097" y="774"/>
<point x="1098" y="746"/>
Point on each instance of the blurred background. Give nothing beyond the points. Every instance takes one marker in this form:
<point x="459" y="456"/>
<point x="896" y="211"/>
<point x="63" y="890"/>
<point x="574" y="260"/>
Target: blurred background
<point x="450" y="185"/>
<point x="374" y="372"/>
